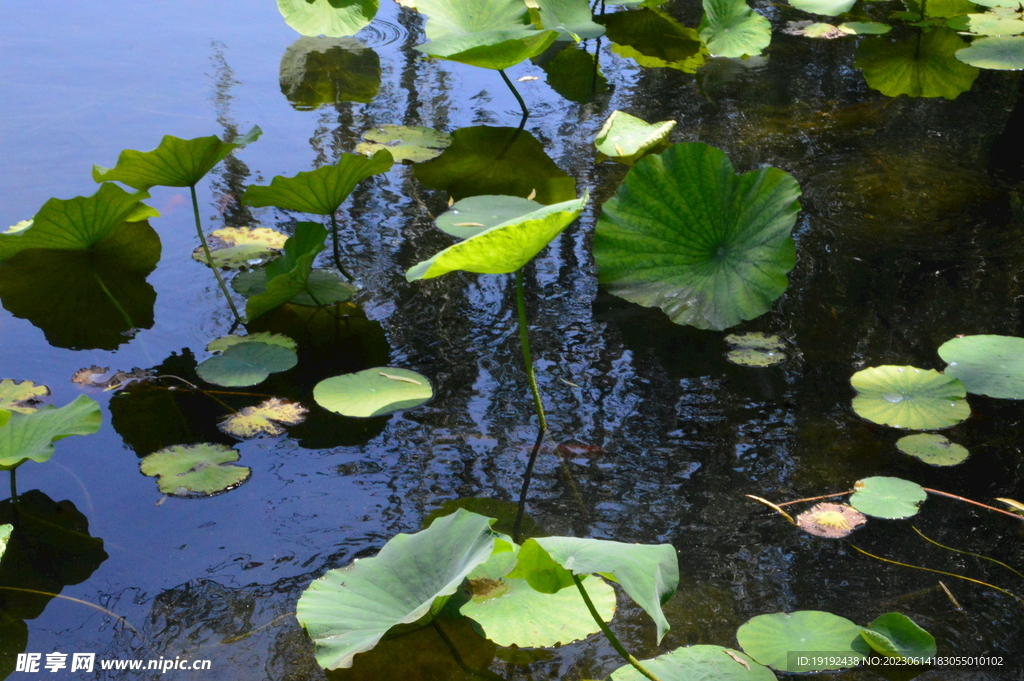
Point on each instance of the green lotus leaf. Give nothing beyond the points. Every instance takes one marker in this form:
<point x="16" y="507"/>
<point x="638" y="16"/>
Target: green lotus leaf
<point x="922" y="65"/>
<point x="497" y="50"/>
<point x="778" y="640"/>
<point x="685" y="234"/>
<point x="896" y="635"/>
<point x="237" y="247"/>
<point x="332" y="18"/>
<point x="999" y="21"/>
<point x="997" y="3"/>
<point x="820" y="30"/>
<point x="5" y="416"/>
<point x="938" y="9"/>
<point x="501" y="511"/>
<point x="864" y="28"/>
<point x="730" y="28"/>
<point x="933" y="449"/>
<point x="224" y="342"/>
<point x="910" y="398"/>
<point x="317" y="72"/>
<point x="505" y="247"/>
<point x="627" y="138"/>
<point x="406" y="143"/>
<point x="263" y="419"/>
<point x="755" y="349"/>
<point x="829" y="8"/>
<point x="21" y="397"/>
<point x="320" y="191"/>
<point x="31" y="436"/>
<point x="637" y="3"/>
<point x="1001" y="53"/>
<point x="574" y="74"/>
<point x="884" y="497"/>
<point x="987" y="364"/>
<point x="571" y="18"/>
<point x="175" y="163"/>
<point x="698" y="663"/>
<point x="373" y="392"/>
<point x="448" y="18"/>
<point x="195" y="470"/>
<point x="348" y="611"/>
<point x="655" y="40"/>
<point x="539" y="569"/>
<point x="476" y="214"/>
<point x="246" y="364"/>
<point x="5" y="534"/>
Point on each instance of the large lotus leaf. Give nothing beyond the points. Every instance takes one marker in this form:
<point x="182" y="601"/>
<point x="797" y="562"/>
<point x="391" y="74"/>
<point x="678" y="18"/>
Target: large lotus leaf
<point x="627" y="138"/>
<point x="885" y="497"/>
<point x="497" y="50"/>
<point x="263" y="419"/>
<point x="987" y="364"/>
<point x="317" y="72"/>
<point x="195" y="470"/>
<point x="5" y="534"/>
<point x="685" y="234"/>
<point x="571" y="18"/>
<point x="908" y="397"/>
<point x="698" y="663"/>
<point x="780" y="640"/>
<point x="407" y="144"/>
<point x="896" y="635"/>
<point x="348" y="611"/>
<point x="575" y="74"/>
<point x="829" y="8"/>
<point x="20" y="397"/>
<point x="448" y="18"/>
<point x="503" y="248"/>
<point x="237" y="247"/>
<point x="333" y="18"/>
<point x="730" y="28"/>
<point x="1001" y="53"/>
<point x="476" y="214"/>
<point x="373" y="392"/>
<point x="31" y="436"/>
<point x="503" y="512"/>
<point x="246" y="364"/>
<point x="933" y="449"/>
<point x="319" y="191"/>
<point x="922" y="65"/>
<point x="655" y="40"/>
<point x="175" y="163"/>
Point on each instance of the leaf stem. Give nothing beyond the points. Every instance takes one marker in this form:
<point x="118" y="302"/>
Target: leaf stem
<point x="823" y="496"/>
<point x="209" y="258"/>
<point x="80" y="602"/>
<point x="14" y="486"/>
<point x="106" y="291"/>
<point x="969" y="501"/>
<point x="337" y="250"/>
<point x="519" y="98"/>
<point x="517" y="527"/>
<point x="966" y="553"/>
<point x="458" y="658"/>
<point x="524" y="342"/>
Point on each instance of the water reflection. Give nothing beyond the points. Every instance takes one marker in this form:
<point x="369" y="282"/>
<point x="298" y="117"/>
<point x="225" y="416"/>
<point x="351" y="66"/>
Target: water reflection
<point x="573" y="72"/>
<point x="324" y="71"/>
<point x="654" y="39"/>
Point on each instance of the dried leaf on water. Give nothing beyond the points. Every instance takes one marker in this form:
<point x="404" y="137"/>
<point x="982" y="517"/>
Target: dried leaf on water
<point x="264" y="418"/>
<point x="830" y="520"/>
<point x="21" y="397"/>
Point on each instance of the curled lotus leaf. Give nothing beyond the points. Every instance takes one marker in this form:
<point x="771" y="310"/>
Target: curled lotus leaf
<point x="332" y="18"/>
<point x="886" y="497"/>
<point x="987" y="364"/>
<point x="237" y="247"/>
<point x="263" y="419"/>
<point x="476" y="214"/>
<point x="31" y="436"/>
<point x="373" y="392"/>
<point x="933" y="449"/>
<point x="224" y="342"/>
<point x="246" y="364"/>
<point x="195" y="470"/>
<point x="896" y="635"/>
<point x="23" y="397"/>
<point x="627" y="138"/>
<point x="824" y="641"/>
<point x="910" y="398"/>
<point x="829" y="520"/>
<point x="406" y="143"/>
<point x="699" y="663"/>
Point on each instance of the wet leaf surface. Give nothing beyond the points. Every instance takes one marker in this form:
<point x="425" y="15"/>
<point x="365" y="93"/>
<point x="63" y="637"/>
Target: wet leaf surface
<point x="195" y="470"/>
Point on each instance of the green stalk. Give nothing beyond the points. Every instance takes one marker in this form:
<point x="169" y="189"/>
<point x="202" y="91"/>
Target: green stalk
<point x="337" y="249"/>
<point x="524" y="342"/>
<point x="209" y="258"/>
<point x="106" y="291"/>
<point x="519" y="98"/>
<point x="14" y="501"/>
<point x="608" y="633"/>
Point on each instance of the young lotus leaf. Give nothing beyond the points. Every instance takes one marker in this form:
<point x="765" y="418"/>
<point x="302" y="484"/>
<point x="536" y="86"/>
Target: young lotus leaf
<point x="832" y="521"/>
<point x="987" y="364"/>
<point x="476" y="214"/>
<point x="407" y="143"/>
<point x="237" y="247"/>
<point x="320" y="191"/>
<point x="803" y="641"/>
<point x="571" y="18"/>
<point x="921" y="65"/>
<point x="908" y="397"/>
<point x="884" y="497"/>
<point x="1001" y="53"/>
<point x="574" y="74"/>
<point x="373" y="392"/>
<point x="933" y="449"/>
<point x="540" y="570"/>
<point x="731" y="29"/>
<point x="348" y="611"/>
<point x="698" y="663"/>
<point x="655" y="40"/>
<point x="31" y="436"/>
<point x="685" y="234"/>
<point x="864" y="28"/>
<point x="755" y="349"/>
<point x="21" y="397"/>
<point x="5" y="534"/>
<point x="333" y="18"/>
<point x="896" y="635"/>
<point x="224" y="342"/>
<point x="317" y="72"/>
<point x="505" y="247"/>
<point x="627" y="138"/>
<point x="263" y="419"/>
<point x="829" y="8"/>
<point x="246" y="364"/>
<point x="195" y="470"/>
<point x="175" y="163"/>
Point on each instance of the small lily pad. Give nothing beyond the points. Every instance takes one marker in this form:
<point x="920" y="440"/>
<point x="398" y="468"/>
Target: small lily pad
<point x="829" y="8"/>
<point x="755" y="349"/>
<point x="896" y="635"/>
<point x="626" y="138"/>
<point x="987" y="364"/>
<point x="476" y="214"/>
<point x="237" y="247"/>
<point x="908" y="397"/>
<point x="224" y="342"/>
<point x="864" y="28"/>
<point x="803" y="641"/>
<point x="21" y="397"/>
<point x="699" y="663"/>
<point x="933" y="449"/>
<point x="195" y="470"/>
<point x="832" y="521"/>
<point x="373" y="392"/>
<point x="246" y="364"/>
<point x="5" y="534"/>
<point x="820" y="30"/>
<point x="884" y="497"/>
<point x="1002" y="53"/>
<point x="407" y="143"/>
<point x="263" y="419"/>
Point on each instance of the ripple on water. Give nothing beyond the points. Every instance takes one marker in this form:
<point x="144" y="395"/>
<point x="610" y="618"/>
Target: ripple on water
<point x="382" y="33"/>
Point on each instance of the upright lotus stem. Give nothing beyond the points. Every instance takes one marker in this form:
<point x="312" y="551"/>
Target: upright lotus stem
<point x="337" y="249"/>
<point x="524" y="342"/>
<point x="209" y="258"/>
<point x="635" y="663"/>
<point x="522" y="104"/>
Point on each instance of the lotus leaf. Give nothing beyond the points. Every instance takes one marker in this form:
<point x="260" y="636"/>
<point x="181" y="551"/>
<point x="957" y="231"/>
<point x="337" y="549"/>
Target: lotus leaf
<point x="5" y="534"/>
<point x="195" y="470"/>
<point x="910" y="398"/>
<point x="685" y="234"/>
<point x="731" y="29"/>
<point x="933" y="449"/>
<point x="348" y="611"/>
<point x="407" y="144"/>
<point x="317" y="72"/>
<point x="264" y="419"/>
<point x="655" y="40"/>
<point x="755" y="349"/>
<point x="373" y="392"/>
<point x="637" y="3"/>
<point x="21" y="397"/>
<point x="832" y="521"/>
<point x="18" y="227"/>
<point x="829" y="8"/>
<point x="922" y="65"/>
<point x="175" y="163"/>
<point x="574" y="74"/>
<point x="884" y="497"/>
<point x="505" y="247"/>
<point x="5" y="416"/>
<point x="31" y="436"/>
<point x="699" y="663"/>
<point x="627" y="138"/>
<point x="864" y="28"/>
<point x="995" y="22"/>
<point x="237" y="247"/>
<point x="1001" y="53"/>
<point x="818" y="30"/>
<point x="540" y="570"/>
<point x="987" y="364"/>
<point x="571" y="18"/>
<point x="896" y="635"/>
<point x="334" y="18"/>
<point x="320" y="191"/>
<point x="246" y="364"/>
<point x="503" y="512"/>
<point x="780" y="639"/>
<point x="224" y="342"/>
<point x="476" y="214"/>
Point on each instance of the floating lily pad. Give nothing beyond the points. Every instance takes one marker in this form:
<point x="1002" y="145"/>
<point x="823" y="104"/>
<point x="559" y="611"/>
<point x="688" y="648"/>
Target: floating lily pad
<point x="571" y="18"/>
<point x="896" y="635"/>
<point x="730" y="28"/>
<point x="236" y="247"/>
<point x="1002" y="53"/>
<point x="224" y="342"/>
<point x="627" y="138"/>
<point x="21" y="397"/>
<point x="832" y="521"/>
<point x="921" y="65"/>
<point x="685" y="234"/>
<point x="406" y="143"/>
<point x="755" y="349"/>
<point x="816" y="30"/>
<point x="195" y="470"/>
<point x="332" y="18"/>
<point x="31" y="436"/>
<point x="698" y="663"/>
<point x="933" y="449"/>
<point x="910" y="398"/>
<point x="884" y="497"/>
<point x="476" y="214"/>
<point x="780" y="639"/>
<point x="318" y="72"/>
<point x="864" y="28"/>
<point x="246" y="364"/>
<point x="1000" y="21"/>
<point x="655" y="40"/>
<point x="264" y="419"/>
<point x="373" y="392"/>
<point x="829" y="8"/>
<point x="987" y="364"/>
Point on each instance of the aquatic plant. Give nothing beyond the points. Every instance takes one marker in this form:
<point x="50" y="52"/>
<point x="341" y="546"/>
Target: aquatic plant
<point x="406" y="143"/>
<point x="986" y="364"/>
<point x="373" y="392"/>
<point x="195" y="470"/>
<point x="333" y="18"/>
<point x="627" y="139"/>
<point x="910" y="398"/>
<point x="316" y="72"/>
<point x="730" y="28"/>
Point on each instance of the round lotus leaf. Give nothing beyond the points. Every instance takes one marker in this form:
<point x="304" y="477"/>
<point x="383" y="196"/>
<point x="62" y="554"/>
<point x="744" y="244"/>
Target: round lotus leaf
<point x="730" y="28"/>
<point x="829" y="520"/>
<point x="332" y="18"/>
<point x="987" y="364"/>
<point x="864" y="28"/>
<point x="755" y="349"/>
<point x="224" y="342"/>
<point x="933" y="449"/>
<point x="910" y="398"/>
<point x="236" y="247"/>
<point x="1001" y="21"/>
<point x="896" y="635"/>
<point x="195" y="470"/>
<point x="407" y="143"/>
<point x="780" y="640"/>
<point x="263" y="419"/>
<point x="21" y="397"/>
<point x="698" y="663"/>
<point x="246" y="364"/>
<point x="476" y="214"/>
<point x="373" y="392"/>
<point x="884" y="497"/>
<point x="820" y="30"/>
<point x="627" y="138"/>
<point x="1003" y="53"/>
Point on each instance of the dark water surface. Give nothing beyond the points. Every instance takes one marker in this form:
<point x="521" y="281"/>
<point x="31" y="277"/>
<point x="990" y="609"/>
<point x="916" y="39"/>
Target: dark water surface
<point x="908" y="237"/>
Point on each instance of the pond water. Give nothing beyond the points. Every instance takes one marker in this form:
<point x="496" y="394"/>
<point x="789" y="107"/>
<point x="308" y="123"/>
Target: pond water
<point x="910" y="234"/>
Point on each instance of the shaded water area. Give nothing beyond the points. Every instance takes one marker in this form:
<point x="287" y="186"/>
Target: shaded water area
<point x="911" y="233"/>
